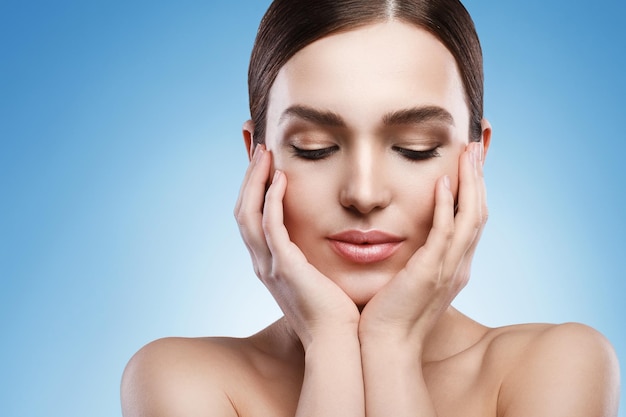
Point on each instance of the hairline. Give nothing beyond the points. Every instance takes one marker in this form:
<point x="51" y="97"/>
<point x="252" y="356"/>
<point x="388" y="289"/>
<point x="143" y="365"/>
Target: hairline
<point x="393" y="12"/>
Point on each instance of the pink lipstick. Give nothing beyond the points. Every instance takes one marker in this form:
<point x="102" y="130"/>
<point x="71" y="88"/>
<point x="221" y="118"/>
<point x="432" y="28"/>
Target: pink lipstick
<point x="365" y="247"/>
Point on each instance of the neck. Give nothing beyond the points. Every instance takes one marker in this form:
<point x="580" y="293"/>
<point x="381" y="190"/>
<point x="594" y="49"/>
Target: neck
<point x="453" y="334"/>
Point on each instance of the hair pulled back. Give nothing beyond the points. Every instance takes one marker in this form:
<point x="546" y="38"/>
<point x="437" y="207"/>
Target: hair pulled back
<point x="290" y="25"/>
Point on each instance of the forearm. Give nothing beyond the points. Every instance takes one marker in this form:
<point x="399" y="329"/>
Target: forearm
<point x="394" y="382"/>
<point x="333" y="379"/>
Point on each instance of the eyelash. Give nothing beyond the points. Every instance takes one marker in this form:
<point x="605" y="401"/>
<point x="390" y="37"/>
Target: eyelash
<point x="314" y="154"/>
<point x="318" y="154"/>
<point x="417" y="155"/>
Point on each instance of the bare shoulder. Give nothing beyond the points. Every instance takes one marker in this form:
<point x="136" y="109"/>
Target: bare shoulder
<point x="215" y="376"/>
<point x="181" y="376"/>
<point x="554" y="370"/>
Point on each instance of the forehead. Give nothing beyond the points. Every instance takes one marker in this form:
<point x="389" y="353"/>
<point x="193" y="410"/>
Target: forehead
<point x="369" y="71"/>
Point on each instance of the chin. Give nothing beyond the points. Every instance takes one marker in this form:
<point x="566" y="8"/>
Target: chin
<point x="362" y="286"/>
<point x="361" y="298"/>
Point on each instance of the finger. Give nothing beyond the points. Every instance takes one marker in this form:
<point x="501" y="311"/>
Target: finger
<point x="481" y="203"/>
<point x="248" y="210"/>
<point x="288" y="264"/>
<point x="276" y="234"/>
<point x="432" y="253"/>
<point x="249" y="172"/>
<point x="471" y="215"/>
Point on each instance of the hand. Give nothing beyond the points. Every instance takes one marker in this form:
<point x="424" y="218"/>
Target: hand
<point x="312" y="303"/>
<point x="411" y="303"/>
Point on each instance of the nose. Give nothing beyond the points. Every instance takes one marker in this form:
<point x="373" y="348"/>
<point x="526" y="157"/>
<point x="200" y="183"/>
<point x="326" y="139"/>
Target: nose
<point x="364" y="187"/>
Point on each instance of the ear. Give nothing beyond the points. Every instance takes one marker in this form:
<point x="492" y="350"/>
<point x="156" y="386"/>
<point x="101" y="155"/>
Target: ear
<point x="248" y="137"/>
<point x="485" y="137"/>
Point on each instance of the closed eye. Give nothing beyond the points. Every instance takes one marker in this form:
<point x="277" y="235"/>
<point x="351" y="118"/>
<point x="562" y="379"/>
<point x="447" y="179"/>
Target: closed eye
<point x="414" y="155"/>
<point x="314" y="154"/>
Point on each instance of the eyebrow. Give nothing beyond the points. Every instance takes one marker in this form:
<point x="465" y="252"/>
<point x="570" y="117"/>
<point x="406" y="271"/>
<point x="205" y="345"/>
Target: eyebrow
<point x="411" y="116"/>
<point x="309" y="114"/>
<point x="418" y="115"/>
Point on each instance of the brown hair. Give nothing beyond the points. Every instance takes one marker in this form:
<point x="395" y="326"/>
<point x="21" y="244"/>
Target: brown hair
<point x="290" y="25"/>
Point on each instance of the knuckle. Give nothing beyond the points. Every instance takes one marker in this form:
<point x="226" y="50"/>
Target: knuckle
<point x="485" y="214"/>
<point x="270" y="278"/>
<point x="462" y="281"/>
<point x="238" y="205"/>
<point x="246" y="220"/>
<point x="265" y="223"/>
<point x="448" y="232"/>
<point x="278" y="270"/>
<point x="257" y="271"/>
<point x="240" y="217"/>
<point x="434" y="283"/>
<point x="476" y="219"/>
<point x="445" y="230"/>
<point x="267" y="231"/>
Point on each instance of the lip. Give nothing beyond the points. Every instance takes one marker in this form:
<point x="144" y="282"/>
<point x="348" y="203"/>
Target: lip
<point x="365" y="247"/>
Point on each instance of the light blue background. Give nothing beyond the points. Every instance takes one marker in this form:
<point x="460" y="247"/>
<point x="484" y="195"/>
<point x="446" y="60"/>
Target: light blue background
<point x="121" y="158"/>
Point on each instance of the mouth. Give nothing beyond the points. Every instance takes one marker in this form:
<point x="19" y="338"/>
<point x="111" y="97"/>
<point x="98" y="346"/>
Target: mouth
<point x="365" y="247"/>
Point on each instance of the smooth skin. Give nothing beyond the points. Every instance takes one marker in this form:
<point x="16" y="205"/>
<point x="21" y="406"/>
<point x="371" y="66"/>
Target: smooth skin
<point x="371" y="339"/>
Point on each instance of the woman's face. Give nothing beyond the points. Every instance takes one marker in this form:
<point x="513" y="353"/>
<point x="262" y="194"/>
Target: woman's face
<point x="363" y="123"/>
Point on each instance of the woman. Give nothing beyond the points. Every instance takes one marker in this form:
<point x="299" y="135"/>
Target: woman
<point x="362" y="207"/>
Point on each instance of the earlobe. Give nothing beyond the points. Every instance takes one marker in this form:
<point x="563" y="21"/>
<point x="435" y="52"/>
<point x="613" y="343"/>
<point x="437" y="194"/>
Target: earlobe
<point x="485" y="137"/>
<point x="248" y="137"/>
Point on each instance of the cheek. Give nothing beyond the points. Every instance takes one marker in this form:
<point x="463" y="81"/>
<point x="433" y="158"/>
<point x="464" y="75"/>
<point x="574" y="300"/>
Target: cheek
<point x="417" y="201"/>
<point x="305" y="201"/>
<point x="416" y="194"/>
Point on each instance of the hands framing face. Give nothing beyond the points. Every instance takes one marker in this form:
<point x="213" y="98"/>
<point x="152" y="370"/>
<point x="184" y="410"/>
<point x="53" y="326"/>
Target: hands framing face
<point x="407" y="307"/>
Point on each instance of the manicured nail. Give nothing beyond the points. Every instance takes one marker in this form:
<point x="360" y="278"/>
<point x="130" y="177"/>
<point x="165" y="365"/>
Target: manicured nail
<point x="276" y="175"/>
<point x="446" y="181"/>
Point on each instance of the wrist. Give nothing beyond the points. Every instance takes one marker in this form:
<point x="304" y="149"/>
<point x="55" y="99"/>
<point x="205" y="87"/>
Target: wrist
<point x="392" y="334"/>
<point x="329" y="338"/>
<point x="332" y="342"/>
<point x="391" y="354"/>
<point x="398" y="347"/>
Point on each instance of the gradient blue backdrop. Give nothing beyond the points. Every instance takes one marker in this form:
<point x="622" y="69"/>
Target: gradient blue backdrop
<point x="121" y="158"/>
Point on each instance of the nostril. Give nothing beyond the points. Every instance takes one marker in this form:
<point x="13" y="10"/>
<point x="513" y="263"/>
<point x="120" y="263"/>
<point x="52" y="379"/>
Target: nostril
<point x="364" y="189"/>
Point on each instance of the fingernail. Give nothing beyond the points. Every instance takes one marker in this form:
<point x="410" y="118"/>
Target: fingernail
<point x="258" y="151"/>
<point x="481" y="150"/>
<point x="276" y="175"/>
<point x="446" y="181"/>
<point x="475" y="154"/>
